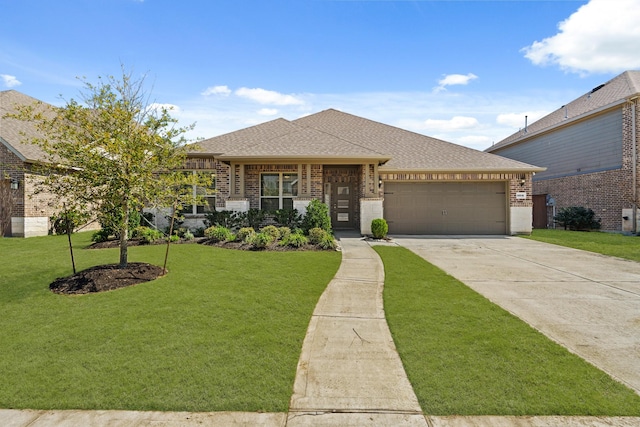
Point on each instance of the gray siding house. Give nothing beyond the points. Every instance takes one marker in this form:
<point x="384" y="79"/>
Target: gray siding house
<point x="590" y="150"/>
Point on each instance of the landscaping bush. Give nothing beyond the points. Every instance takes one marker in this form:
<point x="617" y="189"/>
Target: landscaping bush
<point x="251" y="218"/>
<point x="100" y="236"/>
<point x="577" y="218"/>
<point x="379" y="228"/>
<point x="147" y="234"/>
<point x="261" y="240"/>
<point x="227" y="219"/>
<point x="327" y="242"/>
<point x="272" y="231"/>
<point x="245" y="234"/>
<point x="218" y="233"/>
<point x="284" y="232"/>
<point x="316" y="235"/>
<point x="317" y="216"/>
<point x="287" y="217"/>
<point x="295" y="240"/>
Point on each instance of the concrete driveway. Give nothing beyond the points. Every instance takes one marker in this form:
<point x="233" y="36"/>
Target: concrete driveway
<point x="587" y="302"/>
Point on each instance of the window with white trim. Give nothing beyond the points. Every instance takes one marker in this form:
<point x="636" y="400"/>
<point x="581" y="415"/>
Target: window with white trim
<point x="277" y="190"/>
<point x="207" y="194"/>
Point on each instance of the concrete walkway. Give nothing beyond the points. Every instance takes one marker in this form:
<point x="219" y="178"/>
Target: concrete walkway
<point x="349" y="371"/>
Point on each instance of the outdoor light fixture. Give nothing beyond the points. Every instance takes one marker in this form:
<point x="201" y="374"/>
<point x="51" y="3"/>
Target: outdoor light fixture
<point x="14" y="184"/>
<point x="380" y="183"/>
<point x="522" y="182"/>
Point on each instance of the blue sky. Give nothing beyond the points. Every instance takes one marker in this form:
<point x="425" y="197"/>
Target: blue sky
<point x="463" y="71"/>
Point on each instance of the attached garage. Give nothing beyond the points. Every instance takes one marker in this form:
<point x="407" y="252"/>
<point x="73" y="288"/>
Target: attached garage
<point x="446" y="207"/>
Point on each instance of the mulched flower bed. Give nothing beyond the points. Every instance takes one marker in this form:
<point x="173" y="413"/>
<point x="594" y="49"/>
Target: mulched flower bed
<point x="103" y="278"/>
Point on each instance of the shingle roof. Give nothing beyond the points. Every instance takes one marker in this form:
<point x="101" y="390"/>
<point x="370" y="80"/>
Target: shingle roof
<point x="13" y="132"/>
<point x="333" y="134"/>
<point x="609" y="94"/>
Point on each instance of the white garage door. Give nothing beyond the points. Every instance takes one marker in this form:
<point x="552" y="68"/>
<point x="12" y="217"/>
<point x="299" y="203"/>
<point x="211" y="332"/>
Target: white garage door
<point x="446" y="207"/>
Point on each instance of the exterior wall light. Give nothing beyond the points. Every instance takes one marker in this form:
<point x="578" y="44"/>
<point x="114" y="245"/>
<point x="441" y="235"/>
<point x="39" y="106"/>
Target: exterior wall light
<point x="14" y="184"/>
<point x="522" y="182"/>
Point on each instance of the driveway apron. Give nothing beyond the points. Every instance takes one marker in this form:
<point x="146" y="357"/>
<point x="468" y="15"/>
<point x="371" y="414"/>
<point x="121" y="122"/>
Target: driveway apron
<point x="587" y="302"/>
<point x="349" y="371"/>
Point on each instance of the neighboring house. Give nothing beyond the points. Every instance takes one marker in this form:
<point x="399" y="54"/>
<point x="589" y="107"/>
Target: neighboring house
<point x="365" y="170"/>
<point x="28" y="214"/>
<point x="589" y="147"/>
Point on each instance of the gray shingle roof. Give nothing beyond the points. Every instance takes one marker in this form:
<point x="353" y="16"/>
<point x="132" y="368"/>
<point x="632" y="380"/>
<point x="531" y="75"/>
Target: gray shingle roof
<point x="611" y="93"/>
<point x="14" y="133"/>
<point x="333" y="134"/>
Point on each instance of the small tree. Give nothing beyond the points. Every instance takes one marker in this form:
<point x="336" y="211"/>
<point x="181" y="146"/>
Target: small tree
<point x="112" y="152"/>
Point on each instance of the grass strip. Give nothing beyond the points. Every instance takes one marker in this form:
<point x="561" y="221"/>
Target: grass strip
<point x="466" y="356"/>
<point x="221" y="332"/>
<point x="612" y="244"/>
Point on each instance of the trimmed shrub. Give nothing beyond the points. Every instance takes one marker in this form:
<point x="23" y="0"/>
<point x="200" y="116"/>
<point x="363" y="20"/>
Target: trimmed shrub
<point x="379" y="228"/>
<point x="245" y="234"/>
<point x="577" y="218"/>
<point x="261" y="240"/>
<point x="316" y="235"/>
<point x="272" y="231"/>
<point x="218" y="233"/>
<point x="100" y="236"/>
<point x="327" y="242"/>
<point x="147" y="234"/>
<point x="284" y="232"/>
<point x="317" y="216"/>
<point x="188" y="235"/>
<point x="287" y="217"/>
<point x="295" y="240"/>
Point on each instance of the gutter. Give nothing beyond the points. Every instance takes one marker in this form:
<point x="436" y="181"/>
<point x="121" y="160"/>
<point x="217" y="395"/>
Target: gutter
<point x="634" y="168"/>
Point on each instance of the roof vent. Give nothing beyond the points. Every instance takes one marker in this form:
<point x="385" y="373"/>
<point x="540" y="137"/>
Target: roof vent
<point x="597" y="88"/>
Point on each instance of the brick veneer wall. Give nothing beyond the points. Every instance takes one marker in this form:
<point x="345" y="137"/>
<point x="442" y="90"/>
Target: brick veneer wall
<point x="606" y="193"/>
<point x="12" y="167"/>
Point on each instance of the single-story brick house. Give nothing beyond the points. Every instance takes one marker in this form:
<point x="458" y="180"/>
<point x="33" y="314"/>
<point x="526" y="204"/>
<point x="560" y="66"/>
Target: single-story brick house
<point x="364" y="170"/>
<point x="27" y="214"/>
<point x="590" y="150"/>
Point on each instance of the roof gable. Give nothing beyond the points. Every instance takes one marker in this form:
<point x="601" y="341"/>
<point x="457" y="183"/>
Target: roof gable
<point x="609" y="94"/>
<point x="332" y="134"/>
<point x="14" y="132"/>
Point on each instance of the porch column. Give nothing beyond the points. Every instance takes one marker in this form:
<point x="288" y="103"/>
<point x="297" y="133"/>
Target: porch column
<point x="376" y="180"/>
<point x="232" y="180"/>
<point x="308" y="179"/>
<point x="241" y="180"/>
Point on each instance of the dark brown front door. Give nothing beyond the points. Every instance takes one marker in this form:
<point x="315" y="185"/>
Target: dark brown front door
<point x="342" y="205"/>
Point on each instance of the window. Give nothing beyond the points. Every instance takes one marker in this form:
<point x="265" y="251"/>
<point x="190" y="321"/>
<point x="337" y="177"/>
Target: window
<point x="208" y="195"/>
<point x="277" y="190"/>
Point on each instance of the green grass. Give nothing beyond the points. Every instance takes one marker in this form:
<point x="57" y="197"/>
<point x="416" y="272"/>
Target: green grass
<point x="612" y="244"/>
<point x="221" y="332"/>
<point x="466" y="356"/>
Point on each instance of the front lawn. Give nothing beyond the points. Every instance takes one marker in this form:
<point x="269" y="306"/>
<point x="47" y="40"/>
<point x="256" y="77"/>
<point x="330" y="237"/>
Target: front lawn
<point x="466" y="356"/>
<point x="611" y="244"/>
<point x="221" y="332"/>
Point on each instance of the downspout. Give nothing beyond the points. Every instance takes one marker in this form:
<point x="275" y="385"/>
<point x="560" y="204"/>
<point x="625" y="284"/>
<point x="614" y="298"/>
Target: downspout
<point x="634" y="142"/>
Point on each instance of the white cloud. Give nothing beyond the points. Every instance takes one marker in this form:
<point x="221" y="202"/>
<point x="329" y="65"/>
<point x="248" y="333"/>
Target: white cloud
<point x="10" y="81"/>
<point x="263" y="96"/>
<point x="268" y="112"/>
<point x="455" y="123"/>
<point x="216" y="90"/>
<point x="454" y="79"/>
<point x="516" y="120"/>
<point x="602" y="36"/>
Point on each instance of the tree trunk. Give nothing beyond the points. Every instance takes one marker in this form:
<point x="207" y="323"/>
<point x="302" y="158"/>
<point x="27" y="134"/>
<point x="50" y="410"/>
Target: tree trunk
<point x="124" y="237"/>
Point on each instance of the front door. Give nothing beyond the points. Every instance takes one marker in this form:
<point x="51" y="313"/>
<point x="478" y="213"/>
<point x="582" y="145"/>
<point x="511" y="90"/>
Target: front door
<point x="341" y="185"/>
<point x="342" y="205"/>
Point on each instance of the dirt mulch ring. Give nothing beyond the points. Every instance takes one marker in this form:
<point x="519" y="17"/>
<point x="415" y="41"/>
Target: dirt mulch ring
<point x="103" y="278"/>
